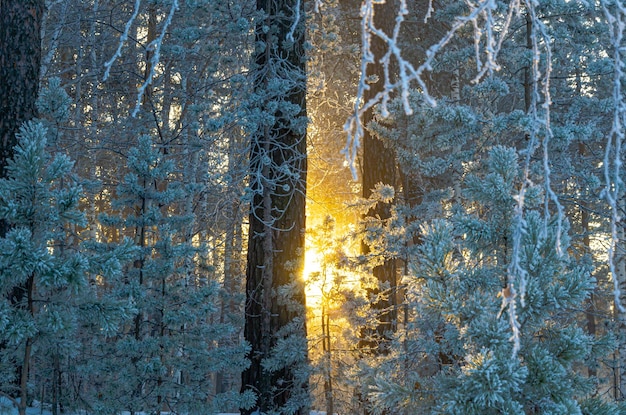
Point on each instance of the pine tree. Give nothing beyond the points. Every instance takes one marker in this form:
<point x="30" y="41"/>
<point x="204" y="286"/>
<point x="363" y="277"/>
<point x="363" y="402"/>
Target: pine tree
<point x="459" y="335"/>
<point x="437" y="146"/>
<point x="39" y="199"/>
<point x="166" y="359"/>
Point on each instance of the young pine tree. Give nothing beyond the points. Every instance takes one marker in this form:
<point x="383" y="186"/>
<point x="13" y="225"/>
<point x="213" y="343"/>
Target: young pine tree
<point x="43" y="274"/>
<point x="457" y="356"/>
<point x="167" y="358"/>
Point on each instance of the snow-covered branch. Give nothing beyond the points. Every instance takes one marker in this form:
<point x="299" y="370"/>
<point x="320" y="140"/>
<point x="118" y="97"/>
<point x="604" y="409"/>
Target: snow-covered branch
<point x="123" y="39"/>
<point x="480" y="15"/>
<point x="155" y="46"/>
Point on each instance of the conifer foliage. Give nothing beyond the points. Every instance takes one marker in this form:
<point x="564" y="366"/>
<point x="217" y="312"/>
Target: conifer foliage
<point x="458" y="337"/>
<point x="39" y="199"/>
<point x="166" y="356"/>
<point x="486" y="207"/>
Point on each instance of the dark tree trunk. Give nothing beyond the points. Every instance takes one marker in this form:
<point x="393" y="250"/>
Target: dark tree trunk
<point x="379" y="166"/>
<point x="277" y="218"/>
<point x="20" y="59"/>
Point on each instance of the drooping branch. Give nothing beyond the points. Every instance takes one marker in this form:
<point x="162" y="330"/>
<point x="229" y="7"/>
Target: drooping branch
<point x="155" y="47"/>
<point x="480" y="15"/>
<point x="540" y="134"/>
<point x="123" y="39"/>
<point x="490" y="30"/>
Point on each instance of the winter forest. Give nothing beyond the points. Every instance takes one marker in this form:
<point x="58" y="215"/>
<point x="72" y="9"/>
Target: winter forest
<point x="372" y="207"/>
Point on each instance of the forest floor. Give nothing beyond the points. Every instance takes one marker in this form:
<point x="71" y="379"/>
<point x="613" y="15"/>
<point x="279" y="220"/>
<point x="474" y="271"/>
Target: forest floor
<point x="7" y="408"/>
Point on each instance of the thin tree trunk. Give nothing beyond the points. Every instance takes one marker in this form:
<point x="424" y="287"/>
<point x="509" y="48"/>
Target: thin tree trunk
<point x="586" y="231"/>
<point x="620" y="271"/>
<point x="25" y="364"/>
<point x="232" y="249"/>
<point x="328" y="360"/>
<point x="528" y="82"/>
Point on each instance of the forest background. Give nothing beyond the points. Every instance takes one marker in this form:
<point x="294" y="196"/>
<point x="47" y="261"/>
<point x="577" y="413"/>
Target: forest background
<point x="462" y="251"/>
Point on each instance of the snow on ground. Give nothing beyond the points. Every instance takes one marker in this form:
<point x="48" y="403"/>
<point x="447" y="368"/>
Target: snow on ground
<point x="7" y="408"/>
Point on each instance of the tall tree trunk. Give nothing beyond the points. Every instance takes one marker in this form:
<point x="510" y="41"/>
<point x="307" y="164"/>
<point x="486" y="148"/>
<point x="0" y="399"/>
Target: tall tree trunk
<point x="620" y="275"/>
<point x="275" y="314"/>
<point x="20" y="60"/>
<point x="379" y="166"/>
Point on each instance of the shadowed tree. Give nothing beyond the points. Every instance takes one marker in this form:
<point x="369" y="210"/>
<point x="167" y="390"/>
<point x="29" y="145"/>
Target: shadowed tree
<point x="379" y="166"/>
<point x="275" y="303"/>
<point x="20" y="57"/>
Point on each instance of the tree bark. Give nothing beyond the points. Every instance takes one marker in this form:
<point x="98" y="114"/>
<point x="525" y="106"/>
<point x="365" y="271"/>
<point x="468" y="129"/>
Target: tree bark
<point x="20" y="58"/>
<point x="379" y="166"/>
<point x="277" y="217"/>
<point x="620" y="271"/>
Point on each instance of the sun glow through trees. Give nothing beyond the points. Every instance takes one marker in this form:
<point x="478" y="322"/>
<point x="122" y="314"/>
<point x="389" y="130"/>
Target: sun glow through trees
<point x="312" y="270"/>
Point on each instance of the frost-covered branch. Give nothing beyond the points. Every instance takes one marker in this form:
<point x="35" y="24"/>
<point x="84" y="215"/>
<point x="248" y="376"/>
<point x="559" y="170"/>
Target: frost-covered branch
<point x="123" y="39"/>
<point x="155" y="45"/>
<point x="296" y="20"/>
<point x="540" y="132"/>
<point x="318" y="4"/>
<point x="480" y="15"/>
<point x="56" y="34"/>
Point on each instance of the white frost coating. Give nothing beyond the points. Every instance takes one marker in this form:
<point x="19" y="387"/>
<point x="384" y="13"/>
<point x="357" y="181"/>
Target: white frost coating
<point x="429" y="12"/>
<point x="123" y="39"/>
<point x="407" y="73"/>
<point x="489" y="36"/>
<point x="318" y="4"/>
<point x="156" y="46"/>
<point x="612" y="160"/>
<point x="493" y="48"/>
<point x="545" y="122"/>
<point x="296" y="20"/>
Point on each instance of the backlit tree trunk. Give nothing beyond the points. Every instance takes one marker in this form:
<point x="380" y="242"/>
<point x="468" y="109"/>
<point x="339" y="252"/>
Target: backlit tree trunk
<point x="275" y="303"/>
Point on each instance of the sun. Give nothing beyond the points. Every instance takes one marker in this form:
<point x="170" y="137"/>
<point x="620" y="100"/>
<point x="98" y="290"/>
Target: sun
<point x="311" y="274"/>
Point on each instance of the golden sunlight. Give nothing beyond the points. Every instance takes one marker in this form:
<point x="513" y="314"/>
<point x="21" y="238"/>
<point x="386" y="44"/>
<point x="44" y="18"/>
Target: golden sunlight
<point x="311" y="273"/>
